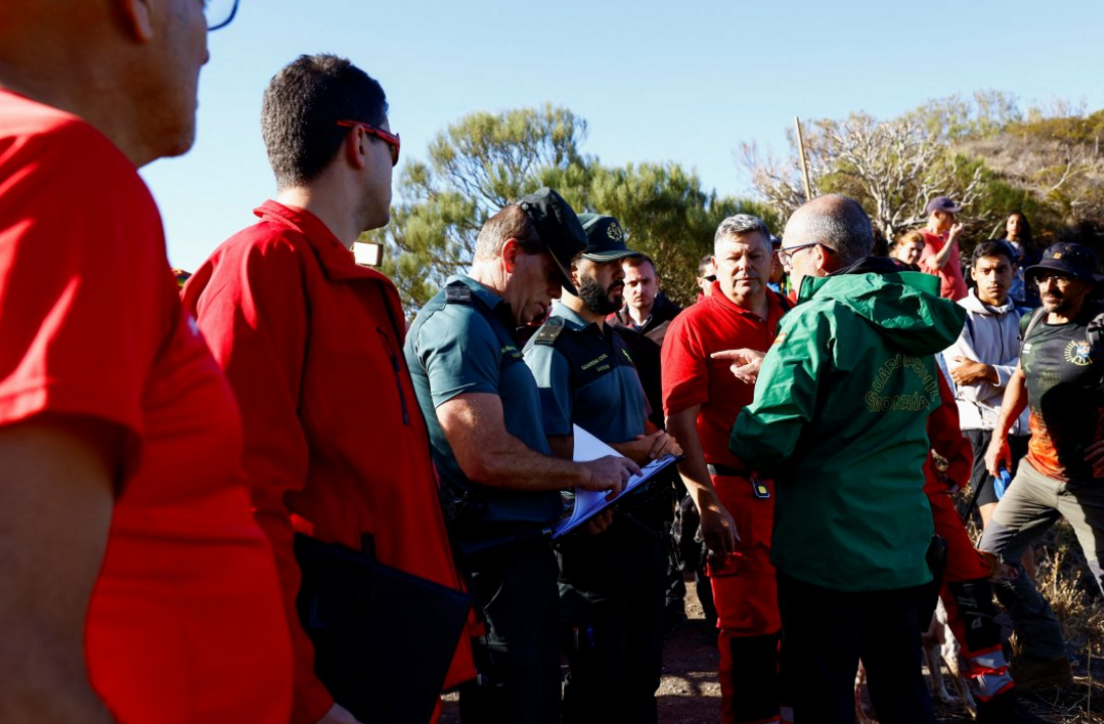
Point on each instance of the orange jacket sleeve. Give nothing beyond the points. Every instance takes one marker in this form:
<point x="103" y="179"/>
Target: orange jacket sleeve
<point x="945" y="434"/>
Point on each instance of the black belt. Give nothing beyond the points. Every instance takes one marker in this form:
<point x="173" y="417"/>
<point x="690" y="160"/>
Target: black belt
<point x="725" y="470"/>
<point x="758" y="487"/>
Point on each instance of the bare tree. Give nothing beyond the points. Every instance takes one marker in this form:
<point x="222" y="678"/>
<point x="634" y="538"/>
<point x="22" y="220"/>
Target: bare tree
<point x="779" y="182"/>
<point x="892" y="167"/>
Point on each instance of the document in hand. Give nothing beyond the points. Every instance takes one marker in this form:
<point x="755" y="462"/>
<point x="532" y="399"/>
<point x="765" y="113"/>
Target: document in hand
<point x="589" y="503"/>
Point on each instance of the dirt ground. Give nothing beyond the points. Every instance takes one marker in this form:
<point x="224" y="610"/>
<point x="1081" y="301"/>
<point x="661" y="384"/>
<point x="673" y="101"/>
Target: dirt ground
<point x="689" y="692"/>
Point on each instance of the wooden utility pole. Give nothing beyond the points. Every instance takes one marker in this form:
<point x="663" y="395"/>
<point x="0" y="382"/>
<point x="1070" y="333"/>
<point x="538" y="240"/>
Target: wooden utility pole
<point x="804" y="163"/>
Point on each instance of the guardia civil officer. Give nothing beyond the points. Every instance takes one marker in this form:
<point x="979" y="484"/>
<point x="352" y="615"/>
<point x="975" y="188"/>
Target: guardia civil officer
<point x="499" y="480"/>
<point x="612" y="585"/>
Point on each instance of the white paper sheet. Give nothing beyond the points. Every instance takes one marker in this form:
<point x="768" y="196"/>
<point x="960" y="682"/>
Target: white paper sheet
<point x="589" y="503"/>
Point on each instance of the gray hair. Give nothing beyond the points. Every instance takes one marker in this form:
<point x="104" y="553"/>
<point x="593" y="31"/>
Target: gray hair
<point x="840" y="223"/>
<point x="741" y="225"/>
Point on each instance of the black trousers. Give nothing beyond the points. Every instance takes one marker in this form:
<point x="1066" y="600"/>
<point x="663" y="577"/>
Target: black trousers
<point x="692" y="552"/>
<point x="520" y="657"/>
<point x="825" y="632"/>
<point x="980" y="479"/>
<point x="612" y="596"/>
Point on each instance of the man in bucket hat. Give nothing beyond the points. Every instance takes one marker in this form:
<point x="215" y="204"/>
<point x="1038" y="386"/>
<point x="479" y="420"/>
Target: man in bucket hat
<point x="1059" y="378"/>
<point x="499" y="480"/>
<point x="940" y="255"/>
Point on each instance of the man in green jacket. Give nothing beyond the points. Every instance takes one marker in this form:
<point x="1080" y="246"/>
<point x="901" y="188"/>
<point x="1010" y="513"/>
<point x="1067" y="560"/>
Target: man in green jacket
<point x="838" y="420"/>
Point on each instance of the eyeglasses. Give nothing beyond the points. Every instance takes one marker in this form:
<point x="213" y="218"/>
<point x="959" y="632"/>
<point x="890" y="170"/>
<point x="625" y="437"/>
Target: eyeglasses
<point x="1060" y="280"/>
<point x="391" y="139"/>
<point x="785" y="254"/>
<point x="710" y="278"/>
<point x="219" y="13"/>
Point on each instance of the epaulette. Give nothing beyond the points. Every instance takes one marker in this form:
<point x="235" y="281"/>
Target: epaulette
<point x="458" y="293"/>
<point x="548" y="332"/>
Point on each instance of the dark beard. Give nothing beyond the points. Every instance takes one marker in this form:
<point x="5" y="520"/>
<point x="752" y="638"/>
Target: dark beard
<point x="1061" y="306"/>
<point x="596" y="298"/>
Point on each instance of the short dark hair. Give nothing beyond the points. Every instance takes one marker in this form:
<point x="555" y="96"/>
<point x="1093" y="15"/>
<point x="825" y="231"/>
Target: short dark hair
<point x="639" y="259"/>
<point x="704" y="264"/>
<point x="993" y="247"/>
<point x="301" y="108"/>
<point x="509" y="223"/>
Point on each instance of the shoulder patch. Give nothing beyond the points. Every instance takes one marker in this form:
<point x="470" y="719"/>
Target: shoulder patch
<point x="458" y="293"/>
<point x="549" y="331"/>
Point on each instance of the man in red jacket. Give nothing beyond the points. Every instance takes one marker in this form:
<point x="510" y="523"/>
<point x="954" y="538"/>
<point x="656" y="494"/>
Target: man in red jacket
<point x="336" y="447"/>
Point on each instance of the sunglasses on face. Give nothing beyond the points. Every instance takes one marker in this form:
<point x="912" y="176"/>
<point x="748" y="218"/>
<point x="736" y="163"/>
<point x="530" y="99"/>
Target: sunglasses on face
<point x="391" y="139"/>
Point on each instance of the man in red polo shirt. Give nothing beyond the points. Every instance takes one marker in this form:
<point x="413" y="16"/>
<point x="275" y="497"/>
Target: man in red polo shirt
<point x="336" y="447"/>
<point x="702" y="398"/>
<point x="940" y="255"/>
<point x="135" y="585"/>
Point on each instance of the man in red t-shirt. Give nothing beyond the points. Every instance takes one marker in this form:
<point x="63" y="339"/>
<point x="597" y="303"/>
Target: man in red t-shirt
<point x="135" y="585"/>
<point x="336" y="447"/>
<point x="940" y="256"/>
<point x="701" y="398"/>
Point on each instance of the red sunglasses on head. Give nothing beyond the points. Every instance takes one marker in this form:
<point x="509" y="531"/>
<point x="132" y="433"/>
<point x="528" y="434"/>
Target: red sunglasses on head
<point x="391" y="139"/>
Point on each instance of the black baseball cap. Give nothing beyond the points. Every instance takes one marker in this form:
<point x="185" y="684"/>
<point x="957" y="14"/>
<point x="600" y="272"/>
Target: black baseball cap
<point x="1069" y="258"/>
<point x="605" y="238"/>
<point x="942" y="203"/>
<point x="558" y="227"/>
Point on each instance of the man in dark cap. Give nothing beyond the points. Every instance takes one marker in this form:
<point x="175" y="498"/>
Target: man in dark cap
<point x="611" y="585"/>
<point x="1059" y="378"/>
<point x="940" y="255"/>
<point x="500" y="481"/>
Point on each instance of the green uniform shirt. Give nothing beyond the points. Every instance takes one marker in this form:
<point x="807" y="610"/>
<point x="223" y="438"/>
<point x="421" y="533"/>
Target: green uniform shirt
<point x="586" y="377"/>
<point x="839" y="418"/>
<point x="465" y="345"/>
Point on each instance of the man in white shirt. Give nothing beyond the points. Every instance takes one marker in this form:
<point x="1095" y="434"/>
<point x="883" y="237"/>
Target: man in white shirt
<point x="983" y="359"/>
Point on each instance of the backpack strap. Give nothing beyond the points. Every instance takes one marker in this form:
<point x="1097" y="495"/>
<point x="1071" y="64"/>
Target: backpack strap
<point x="1036" y="317"/>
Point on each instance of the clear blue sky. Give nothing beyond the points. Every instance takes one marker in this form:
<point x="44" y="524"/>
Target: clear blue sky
<point x="655" y="80"/>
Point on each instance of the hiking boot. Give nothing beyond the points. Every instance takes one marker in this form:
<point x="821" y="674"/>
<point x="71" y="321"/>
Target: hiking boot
<point x="1005" y="709"/>
<point x="1030" y="673"/>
